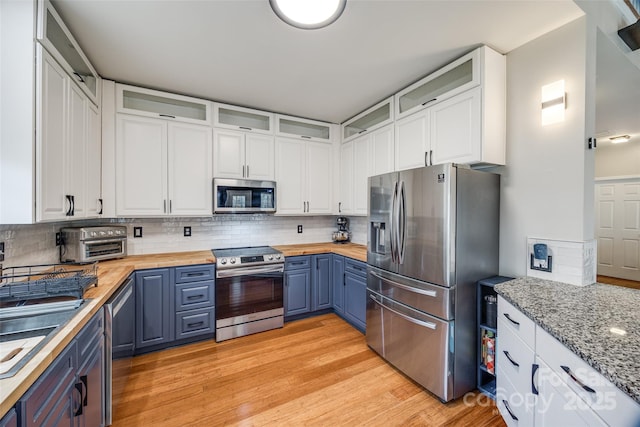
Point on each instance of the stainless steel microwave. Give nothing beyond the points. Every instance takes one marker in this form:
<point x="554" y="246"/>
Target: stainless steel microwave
<point x="243" y="196"/>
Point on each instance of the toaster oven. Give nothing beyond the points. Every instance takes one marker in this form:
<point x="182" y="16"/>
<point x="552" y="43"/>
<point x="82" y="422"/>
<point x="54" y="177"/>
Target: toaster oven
<point x="89" y="244"/>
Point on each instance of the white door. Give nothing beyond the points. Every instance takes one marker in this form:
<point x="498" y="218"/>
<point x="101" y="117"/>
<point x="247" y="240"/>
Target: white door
<point x="618" y="228"/>
<point x="93" y="195"/>
<point x="290" y="176"/>
<point x="360" y="174"/>
<point x="78" y="132"/>
<point x="51" y="136"/>
<point x="141" y="166"/>
<point x="319" y="161"/>
<point x="381" y="151"/>
<point x="412" y="141"/>
<point x="190" y="169"/>
<point x="259" y="157"/>
<point x="455" y="130"/>
<point x="228" y="155"/>
<point x="346" y="204"/>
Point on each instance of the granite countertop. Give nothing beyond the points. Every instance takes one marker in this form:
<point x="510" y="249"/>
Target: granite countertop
<point x="581" y="319"/>
<point x="111" y="275"/>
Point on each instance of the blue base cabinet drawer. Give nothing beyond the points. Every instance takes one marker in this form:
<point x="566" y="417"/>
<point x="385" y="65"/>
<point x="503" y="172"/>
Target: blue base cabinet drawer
<point x="195" y="322"/>
<point x="194" y="273"/>
<point x="297" y="262"/>
<point x="194" y="295"/>
<point x="355" y="267"/>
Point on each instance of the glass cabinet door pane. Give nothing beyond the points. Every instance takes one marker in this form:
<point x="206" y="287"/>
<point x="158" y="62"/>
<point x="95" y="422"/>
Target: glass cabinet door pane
<point x="304" y="129"/>
<point x="243" y="119"/>
<point x="163" y="105"/>
<point x="368" y="121"/>
<point x="431" y="89"/>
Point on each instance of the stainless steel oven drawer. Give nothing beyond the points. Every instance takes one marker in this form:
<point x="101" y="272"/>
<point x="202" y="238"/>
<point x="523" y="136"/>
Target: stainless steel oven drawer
<point x="433" y="299"/>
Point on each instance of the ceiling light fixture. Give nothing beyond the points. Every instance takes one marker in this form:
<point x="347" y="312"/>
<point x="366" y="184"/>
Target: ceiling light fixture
<point x="619" y="139"/>
<point x="308" y="14"/>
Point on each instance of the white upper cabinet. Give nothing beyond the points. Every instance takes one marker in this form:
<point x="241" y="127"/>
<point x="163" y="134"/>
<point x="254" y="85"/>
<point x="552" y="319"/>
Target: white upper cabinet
<point x="303" y="171"/>
<point x="346" y="202"/>
<point x="243" y="155"/>
<point x="240" y="118"/>
<point x="303" y="128"/>
<point x="369" y="120"/>
<point x="93" y="193"/>
<point x="381" y="151"/>
<point x="454" y="78"/>
<point x="162" y="167"/>
<point x="466" y="123"/>
<point x="56" y="37"/>
<point x="169" y="106"/>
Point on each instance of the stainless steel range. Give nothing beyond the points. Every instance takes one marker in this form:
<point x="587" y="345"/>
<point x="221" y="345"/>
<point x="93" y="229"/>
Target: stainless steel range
<point x="249" y="294"/>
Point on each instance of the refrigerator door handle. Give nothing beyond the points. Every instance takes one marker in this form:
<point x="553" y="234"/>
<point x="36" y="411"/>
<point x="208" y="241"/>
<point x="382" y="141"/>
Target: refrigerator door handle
<point x="394" y="226"/>
<point x="402" y="221"/>
<point x="404" y="316"/>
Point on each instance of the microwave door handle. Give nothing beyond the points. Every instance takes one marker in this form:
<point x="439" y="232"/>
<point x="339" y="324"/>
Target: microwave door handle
<point x="116" y="240"/>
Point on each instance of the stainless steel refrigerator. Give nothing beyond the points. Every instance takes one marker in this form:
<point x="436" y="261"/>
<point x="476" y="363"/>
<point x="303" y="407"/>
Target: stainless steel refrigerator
<point x="433" y="233"/>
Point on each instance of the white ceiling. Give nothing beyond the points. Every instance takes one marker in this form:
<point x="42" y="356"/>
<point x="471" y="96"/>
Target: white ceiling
<point x="238" y="51"/>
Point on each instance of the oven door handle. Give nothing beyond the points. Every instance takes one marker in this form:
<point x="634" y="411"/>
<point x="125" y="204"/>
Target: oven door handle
<point x="246" y="271"/>
<point x="100" y="241"/>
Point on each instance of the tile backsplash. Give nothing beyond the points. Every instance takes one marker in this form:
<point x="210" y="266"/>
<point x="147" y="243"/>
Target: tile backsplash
<point x="572" y="262"/>
<point x="35" y="244"/>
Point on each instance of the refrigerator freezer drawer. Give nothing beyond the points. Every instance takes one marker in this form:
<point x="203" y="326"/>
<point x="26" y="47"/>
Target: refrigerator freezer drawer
<point x="432" y="299"/>
<point x="415" y="343"/>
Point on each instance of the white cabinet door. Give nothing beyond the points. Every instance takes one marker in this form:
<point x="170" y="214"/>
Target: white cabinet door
<point x="319" y="161"/>
<point x="455" y="129"/>
<point x="51" y="145"/>
<point x="141" y="166"/>
<point x="345" y="205"/>
<point x="360" y="174"/>
<point x="259" y="157"/>
<point x="412" y="141"/>
<point x="93" y="194"/>
<point x="77" y="150"/>
<point x="229" y="154"/>
<point x="558" y="405"/>
<point x="190" y="169"/>
<point x="290" y="175"/>
<point x="381" y="151"/>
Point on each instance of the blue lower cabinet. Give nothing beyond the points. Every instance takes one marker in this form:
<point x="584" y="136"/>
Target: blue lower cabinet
<point x="321" y="282"/>
<point x="192" y="323"/>
<point x="355" y="300"/>
<point x="154" y="322"/>
<point x="337" y="281"/>
<point x="297" y="292"/>
<point x="10" y="419"/>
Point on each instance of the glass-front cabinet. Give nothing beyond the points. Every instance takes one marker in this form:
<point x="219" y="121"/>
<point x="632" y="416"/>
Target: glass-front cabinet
<point x="303" y="128"/>
<point x="153" y="103"/>
<point x="57" y="39"/>
<point x="240" y="118"/>
<point x="370" y="119"/>
<point x="448" y="81"/>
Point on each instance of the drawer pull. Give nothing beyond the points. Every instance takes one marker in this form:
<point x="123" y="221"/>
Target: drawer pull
<point x="193" y="325"/>
<point x="192" y="297"/>
<point x="297" y="262"/>
<point x="577" y="381"/>
<point x="510" y="319"/>
<point x="534" y="369"/>
<point x="506" y="405"/>
<point x="513" y="362"/>
<point x="198" y="274"/>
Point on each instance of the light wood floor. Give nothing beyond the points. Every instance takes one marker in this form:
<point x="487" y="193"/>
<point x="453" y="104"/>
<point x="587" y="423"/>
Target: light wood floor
<point x="313" y="372"/>
<point x="619" y="282"/>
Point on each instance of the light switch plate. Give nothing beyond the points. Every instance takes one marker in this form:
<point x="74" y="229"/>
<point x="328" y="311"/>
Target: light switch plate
<point x="1" y="251"/>
<point x="299" y="229"/>
<point x="187" y="232"/>
<point x="137" y="231"/>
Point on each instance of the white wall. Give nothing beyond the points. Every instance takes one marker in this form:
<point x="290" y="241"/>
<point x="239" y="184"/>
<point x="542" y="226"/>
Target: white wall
<point x="618" y="160"/>
<point x="543" y="188"/>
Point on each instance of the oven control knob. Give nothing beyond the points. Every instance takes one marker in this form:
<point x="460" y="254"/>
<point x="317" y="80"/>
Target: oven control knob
<point x="93" y="234"/>
<point x="277" y="256"/>
<point x="223" y="261"/>
<point x="102" y="233"/>
<point x="232" y="260"/>
<point x="270" y="257"/>
<point x="110" y="232"/>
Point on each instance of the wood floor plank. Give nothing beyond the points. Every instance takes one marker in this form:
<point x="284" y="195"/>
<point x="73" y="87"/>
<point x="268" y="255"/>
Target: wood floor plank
<point x="619" y="282"/>
<point x="313" y="372"/>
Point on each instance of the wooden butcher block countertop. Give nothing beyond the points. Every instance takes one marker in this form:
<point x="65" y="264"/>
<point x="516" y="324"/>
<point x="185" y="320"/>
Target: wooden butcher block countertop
<point x="111" y="275"/>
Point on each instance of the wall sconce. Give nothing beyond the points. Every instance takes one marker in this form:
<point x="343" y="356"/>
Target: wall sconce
<point x="554" y="102"/>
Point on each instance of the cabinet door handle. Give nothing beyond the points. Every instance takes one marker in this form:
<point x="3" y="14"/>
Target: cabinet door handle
<point x="362" y="131"/>
<point x="245" y="128"/>
<point x="247" y="171"/>
<point x="577" y="380"/>
<point x="506" y="405"/>
<point x="101" y="207"/>
<point x="167" y="115"/>
<point x="534" y="369"/>
<point x="165" y="205"/>
<point x="430" y="157"/>
<point x="429" y="101"/>
<point x="305" y="137"/>
<point x="69" y="210"/>
<point x="78" y="412"/>
<point x="339" y="207"/>
<point x="243" y="171"/>
<point x="513" y="362"/>
<point x="426" y="158"/>
<point x="170" y="207"/>
<point x="80" y="78"/>
<point x="85" y="381"/>
<point x="510" y="319"/>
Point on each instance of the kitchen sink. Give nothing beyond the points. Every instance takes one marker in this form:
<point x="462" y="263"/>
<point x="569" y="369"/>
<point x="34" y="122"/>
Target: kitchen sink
<point x="24" y="330"/>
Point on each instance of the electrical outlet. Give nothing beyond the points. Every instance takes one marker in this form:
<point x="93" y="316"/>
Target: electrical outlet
<point x="1" y="251"/>
<point x="299" y="229"/>
<point x="58" y="239"/>
<point x="137" y="231"/>
<point x="187" y="232"/>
